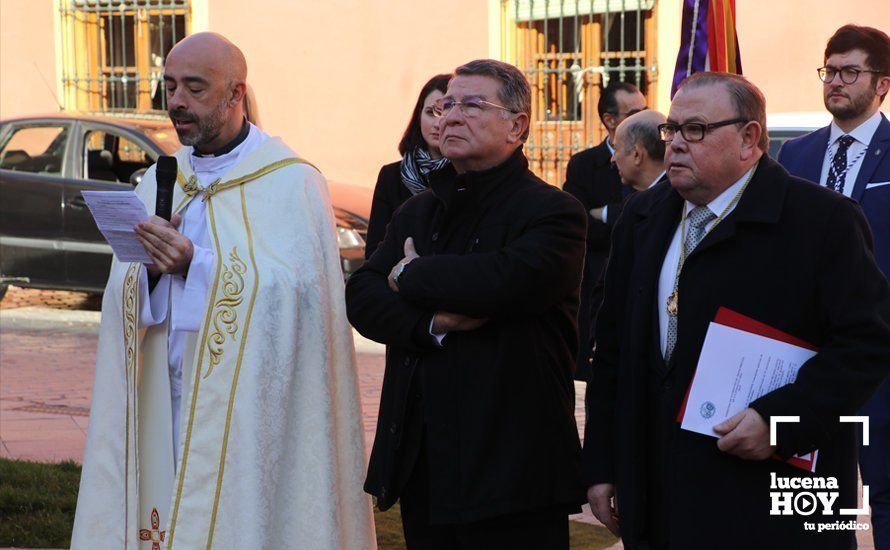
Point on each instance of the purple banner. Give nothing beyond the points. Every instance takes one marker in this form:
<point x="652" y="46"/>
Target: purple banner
<point x="693" y="41"/>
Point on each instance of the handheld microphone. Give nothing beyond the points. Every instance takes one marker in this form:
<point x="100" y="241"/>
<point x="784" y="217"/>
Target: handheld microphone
<point x="166" y="177"/>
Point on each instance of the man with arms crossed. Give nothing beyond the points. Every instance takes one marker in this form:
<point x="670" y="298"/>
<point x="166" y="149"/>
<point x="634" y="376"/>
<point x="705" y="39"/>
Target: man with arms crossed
<point x="474" y="290"/>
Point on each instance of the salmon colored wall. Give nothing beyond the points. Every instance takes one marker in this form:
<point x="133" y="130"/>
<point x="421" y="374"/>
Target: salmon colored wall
<point x="338" y="79"/>
<point x="668" y="24"/>
<point x="27" y="51"/>
<point x="782" y="43"/>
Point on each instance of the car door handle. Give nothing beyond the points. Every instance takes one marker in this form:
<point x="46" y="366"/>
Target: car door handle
<point x="78" y="202"/>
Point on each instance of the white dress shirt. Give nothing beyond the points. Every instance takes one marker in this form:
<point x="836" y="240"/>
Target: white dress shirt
<point x="672" y="258"/>
<point x="855" y="153"/>
<point x="186" y="297"/>
<point x="657" y="179"/>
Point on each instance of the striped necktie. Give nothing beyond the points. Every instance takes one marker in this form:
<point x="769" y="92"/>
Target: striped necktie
<point x="698" y="219"/>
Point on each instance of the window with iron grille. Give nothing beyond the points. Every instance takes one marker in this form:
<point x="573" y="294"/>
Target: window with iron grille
<point x="113" y="52"/>
<point x="570" y="50"/>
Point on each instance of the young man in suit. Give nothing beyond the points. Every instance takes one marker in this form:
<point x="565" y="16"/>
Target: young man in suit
<point x="852" y="156"/>
<point x="730" y="229"/>
<point x="591" y="178"/>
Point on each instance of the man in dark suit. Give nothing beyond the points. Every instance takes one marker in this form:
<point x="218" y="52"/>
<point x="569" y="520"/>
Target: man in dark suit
<point x="474" y="289"/>
<point x="591" y="178"/>
<point x="852" y="156"/>
<point x="730" y="229"/>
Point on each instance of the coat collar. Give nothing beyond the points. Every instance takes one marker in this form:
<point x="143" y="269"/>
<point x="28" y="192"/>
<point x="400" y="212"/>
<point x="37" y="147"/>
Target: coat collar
<point x="454" y="189"/>
<point x="602" y="155"/>
<point x="813" y="152"/>
<point x="877" y="150"/>
<point x="761" y="202"/>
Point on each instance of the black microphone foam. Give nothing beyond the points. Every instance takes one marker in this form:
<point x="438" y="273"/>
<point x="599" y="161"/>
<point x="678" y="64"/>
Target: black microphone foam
<point x="166" y="177"/>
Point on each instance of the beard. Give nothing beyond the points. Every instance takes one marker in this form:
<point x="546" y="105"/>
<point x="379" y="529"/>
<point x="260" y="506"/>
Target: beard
<point x="205" y="129"/>
<point x="858" y="105"/>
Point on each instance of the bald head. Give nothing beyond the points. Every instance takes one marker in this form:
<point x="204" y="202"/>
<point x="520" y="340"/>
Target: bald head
<point x="212" y="50"/>
<point x="639" y="151"/>
<point x="642" y="128"/>
<point x="205" y="78"/>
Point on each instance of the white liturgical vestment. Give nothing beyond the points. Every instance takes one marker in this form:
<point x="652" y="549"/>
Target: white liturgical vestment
<point x="225" y="408"/>
<point x="187" y="296"/>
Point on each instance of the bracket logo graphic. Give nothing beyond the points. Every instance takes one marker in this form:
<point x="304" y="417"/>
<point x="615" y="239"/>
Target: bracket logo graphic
<point x="809" y="494"/>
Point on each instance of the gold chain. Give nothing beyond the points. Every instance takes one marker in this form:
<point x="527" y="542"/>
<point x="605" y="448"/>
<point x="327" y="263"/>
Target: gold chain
<point x="673" y="298"/>
<point x="719" y="219"/>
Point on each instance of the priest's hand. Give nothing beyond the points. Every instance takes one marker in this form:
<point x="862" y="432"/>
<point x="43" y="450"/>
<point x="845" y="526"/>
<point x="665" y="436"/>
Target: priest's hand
<point x="410" y="255"/>
<point x="745" y="435"/>
<point x="445" y="322"/>
<point x="604" y="505"/>
<point x="170" y="250"/>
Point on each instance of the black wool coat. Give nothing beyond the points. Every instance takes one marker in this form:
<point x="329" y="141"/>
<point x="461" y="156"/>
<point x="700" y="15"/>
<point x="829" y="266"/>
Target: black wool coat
<point x="497" y="402"/>
<point x="591" y="178"/>
<point x="793" y="255"/>
<point x="389" y="194"/>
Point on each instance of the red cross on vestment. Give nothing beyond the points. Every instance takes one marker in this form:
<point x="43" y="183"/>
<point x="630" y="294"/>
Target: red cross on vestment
<point x="155" y="535"/>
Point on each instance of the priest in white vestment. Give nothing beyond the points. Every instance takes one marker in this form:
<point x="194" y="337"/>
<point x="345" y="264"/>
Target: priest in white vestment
<point x="225" y="406"/>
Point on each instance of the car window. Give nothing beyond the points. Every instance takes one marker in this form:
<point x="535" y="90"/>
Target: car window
<point x="109" y="156"/>
<point x="165" y="138"/>
<point x="778" y="137"/>
<point x="38" y="149"/>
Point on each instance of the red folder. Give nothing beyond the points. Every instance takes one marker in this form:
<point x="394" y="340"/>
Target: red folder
<point x="733" y="319"/>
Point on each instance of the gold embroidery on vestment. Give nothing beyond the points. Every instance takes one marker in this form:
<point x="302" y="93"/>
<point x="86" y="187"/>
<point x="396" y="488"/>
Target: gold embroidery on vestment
<point x="225" y="316"/>
<point x="183" y="463"/>
<point x="208" y="341"/>
<point x="225" y="442"/>
<point x="130" y="300"/>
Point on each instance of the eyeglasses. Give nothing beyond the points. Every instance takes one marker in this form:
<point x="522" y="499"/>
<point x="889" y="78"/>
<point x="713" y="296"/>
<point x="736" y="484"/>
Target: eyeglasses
<point x="849" y="75"/>
<point x="693" y="131"/>
<point x="470" y="107"/>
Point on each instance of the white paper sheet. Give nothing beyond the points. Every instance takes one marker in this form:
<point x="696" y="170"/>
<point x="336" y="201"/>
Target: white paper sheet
<point x="734" y="369"/>
<point x="116" y="213"/>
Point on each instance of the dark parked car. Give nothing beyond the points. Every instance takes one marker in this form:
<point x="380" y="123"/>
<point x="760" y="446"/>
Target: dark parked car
<point x="785" y="126"/>
<point x="47" y="236"/>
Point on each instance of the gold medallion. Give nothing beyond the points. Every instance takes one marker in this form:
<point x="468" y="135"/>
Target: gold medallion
<point x="673" y="303"/>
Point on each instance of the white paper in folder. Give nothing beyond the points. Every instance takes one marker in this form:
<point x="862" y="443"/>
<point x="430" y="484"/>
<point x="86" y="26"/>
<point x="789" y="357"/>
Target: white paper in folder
<point x="734" y="369"/>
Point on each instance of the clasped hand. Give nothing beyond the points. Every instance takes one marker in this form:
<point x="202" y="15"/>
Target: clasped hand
<point x="443" y="321"/>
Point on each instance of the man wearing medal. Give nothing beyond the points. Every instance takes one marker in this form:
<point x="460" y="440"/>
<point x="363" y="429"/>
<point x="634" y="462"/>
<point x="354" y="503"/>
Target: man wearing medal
<point x="730" y="229"/>
<point x="852" y="156"/>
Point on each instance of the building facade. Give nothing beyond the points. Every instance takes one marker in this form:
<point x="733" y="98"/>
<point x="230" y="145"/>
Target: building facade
<point x="337" y="79"/>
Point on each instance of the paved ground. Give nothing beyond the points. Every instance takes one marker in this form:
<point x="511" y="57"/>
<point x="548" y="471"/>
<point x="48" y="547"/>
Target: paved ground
<point x="47" y="354"/>
<point x="47" y="349"/>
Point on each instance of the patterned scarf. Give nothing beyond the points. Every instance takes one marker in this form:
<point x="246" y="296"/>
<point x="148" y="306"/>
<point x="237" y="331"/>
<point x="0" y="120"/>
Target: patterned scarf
<point x="416" y="165"/>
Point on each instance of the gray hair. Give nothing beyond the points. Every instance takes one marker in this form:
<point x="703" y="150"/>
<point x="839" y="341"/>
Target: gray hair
<point x="748" y="100"/>
<point x="646" y="134"/>
<point x="515" y="92"/>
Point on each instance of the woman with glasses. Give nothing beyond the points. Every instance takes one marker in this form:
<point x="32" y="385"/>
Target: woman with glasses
<point x="419" y="148"/>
